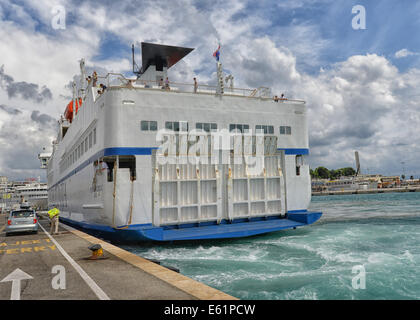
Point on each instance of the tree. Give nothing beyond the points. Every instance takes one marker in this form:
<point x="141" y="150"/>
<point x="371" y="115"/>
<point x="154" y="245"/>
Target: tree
<point x="349" y="171"/>
<point x="322" y="172"/>
<point x="312" y="173"/>
<point x="334" y="174"/>
<point x="403" y="176"/>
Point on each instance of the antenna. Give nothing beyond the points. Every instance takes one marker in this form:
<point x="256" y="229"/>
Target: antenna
<point x="82" y="76"/>
<point x="356" y="155"/>
<point x="138" y="71"/>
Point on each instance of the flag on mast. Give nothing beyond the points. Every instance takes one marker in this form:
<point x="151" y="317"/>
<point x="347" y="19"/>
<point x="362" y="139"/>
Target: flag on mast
<point x="216" y="54"/>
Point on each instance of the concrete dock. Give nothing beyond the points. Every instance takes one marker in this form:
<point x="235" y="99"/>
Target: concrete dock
<point x="41" y="266"/>
<point x="367" y="191"/>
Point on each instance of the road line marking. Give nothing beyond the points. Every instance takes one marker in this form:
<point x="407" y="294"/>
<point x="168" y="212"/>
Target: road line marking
<point x="192" y="287"/>
<point x="89" y="281"/>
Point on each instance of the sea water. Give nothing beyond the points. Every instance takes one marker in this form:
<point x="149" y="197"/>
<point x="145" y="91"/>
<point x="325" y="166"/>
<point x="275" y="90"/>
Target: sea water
<point x="376" y="233"/>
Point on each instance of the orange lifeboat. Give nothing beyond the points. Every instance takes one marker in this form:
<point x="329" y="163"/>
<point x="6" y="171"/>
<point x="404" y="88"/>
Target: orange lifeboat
<point x="68" y="114"/>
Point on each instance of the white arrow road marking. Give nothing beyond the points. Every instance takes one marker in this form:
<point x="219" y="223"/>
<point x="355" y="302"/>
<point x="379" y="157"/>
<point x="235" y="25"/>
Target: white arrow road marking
<point x="16" y="277"/>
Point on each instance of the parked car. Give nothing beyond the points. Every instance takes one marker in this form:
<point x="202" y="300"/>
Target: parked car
<point x="22" y="220"/>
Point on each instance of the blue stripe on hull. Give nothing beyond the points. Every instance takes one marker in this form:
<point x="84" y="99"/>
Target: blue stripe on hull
<point x="135" y="233"/>
<point x="145" y="151"/>
<point x="290" y="151"/>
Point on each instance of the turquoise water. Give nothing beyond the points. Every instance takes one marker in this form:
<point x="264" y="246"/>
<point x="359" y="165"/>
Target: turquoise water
<point x="381" y="232"/>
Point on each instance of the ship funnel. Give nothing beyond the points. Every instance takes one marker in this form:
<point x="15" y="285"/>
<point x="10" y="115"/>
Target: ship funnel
<point x="157" y="59"/>
<point x="161" y="56"/>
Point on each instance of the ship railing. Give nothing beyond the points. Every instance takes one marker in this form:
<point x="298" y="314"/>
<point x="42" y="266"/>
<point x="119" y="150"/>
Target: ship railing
<point x="118" y="80"/>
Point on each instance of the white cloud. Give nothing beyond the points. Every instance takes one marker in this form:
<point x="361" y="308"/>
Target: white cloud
<point x="403" y="53"/>
<point x="362" y="103"/>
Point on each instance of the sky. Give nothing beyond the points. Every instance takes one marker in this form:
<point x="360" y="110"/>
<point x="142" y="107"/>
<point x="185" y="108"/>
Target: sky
<point x="358" y="73"/>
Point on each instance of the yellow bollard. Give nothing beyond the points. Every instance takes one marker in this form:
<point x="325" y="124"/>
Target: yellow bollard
<point x="97" y="252"/>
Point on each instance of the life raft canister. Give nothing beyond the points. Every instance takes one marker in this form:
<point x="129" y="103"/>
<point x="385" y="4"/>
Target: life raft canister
<point x="68" y="114"/>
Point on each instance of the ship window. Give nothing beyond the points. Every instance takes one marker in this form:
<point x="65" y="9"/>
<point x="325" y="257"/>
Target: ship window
<point x="83" y="147"/>
<point x="144" y="125"/>
<point x="282" y="130"/>
<point x="86" y="144"/>
<point x="285" y="130"/>
<point x="94" y="136"/>
<point x="264" y="129"/>
<point x="207" y="127"/>
<point x="177" y="126"/>
<point x="90" y="140"/>
<point x="153" y="126"/>
<point x="239" y="127"/>
<point x="148" y="125"/>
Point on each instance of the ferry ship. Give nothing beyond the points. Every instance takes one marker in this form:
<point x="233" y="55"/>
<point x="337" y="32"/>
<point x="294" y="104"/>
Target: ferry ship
<point x="35" y="194"/>
<point x="149" y="159"/>
<point x="31" y="192"/>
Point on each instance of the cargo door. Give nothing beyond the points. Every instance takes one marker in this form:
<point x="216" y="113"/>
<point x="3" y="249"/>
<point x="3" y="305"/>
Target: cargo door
<point x="184" y="191"/>
<point x="256" y="184"/>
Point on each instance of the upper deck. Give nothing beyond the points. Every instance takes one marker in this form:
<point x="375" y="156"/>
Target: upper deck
<point x="130" y="112"/>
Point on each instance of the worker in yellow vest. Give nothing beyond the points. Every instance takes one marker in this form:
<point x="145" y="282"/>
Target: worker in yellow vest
<point x="54" y="214"/>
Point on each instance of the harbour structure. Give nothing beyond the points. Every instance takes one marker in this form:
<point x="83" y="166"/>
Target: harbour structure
<point x="149" y="159"/>
<point x="32" y="191"/>
<point x="346" y="183"/>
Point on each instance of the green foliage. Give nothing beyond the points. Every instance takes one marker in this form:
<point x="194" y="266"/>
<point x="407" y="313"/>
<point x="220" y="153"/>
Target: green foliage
<point x="324" y="173"/>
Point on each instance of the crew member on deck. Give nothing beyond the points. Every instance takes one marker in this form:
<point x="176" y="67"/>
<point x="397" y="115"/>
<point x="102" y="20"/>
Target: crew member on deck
<point x="103" y="87"/>
<point x="195" y="85"/>
<point x="95" y="78"/>
<point x="167" y="84"/>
